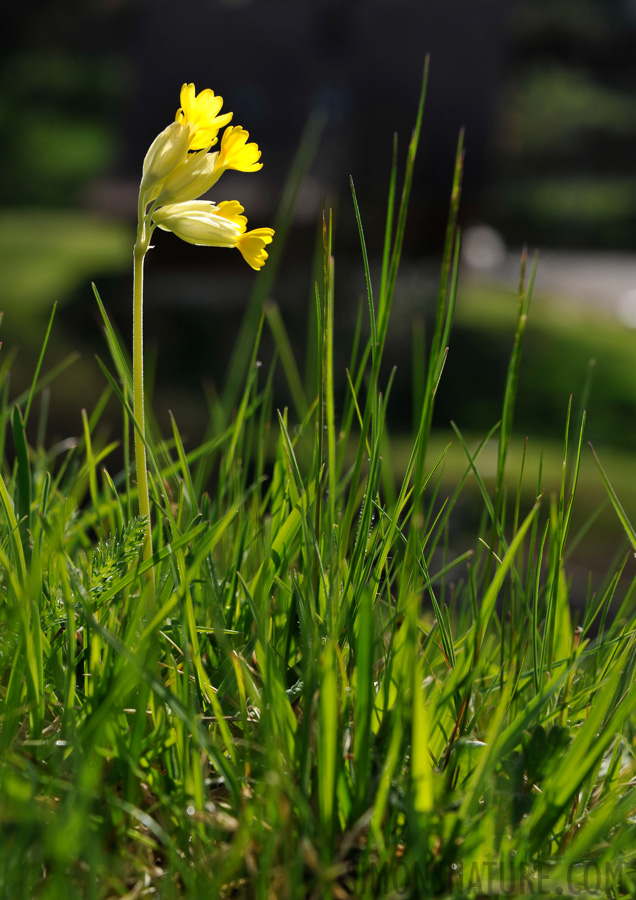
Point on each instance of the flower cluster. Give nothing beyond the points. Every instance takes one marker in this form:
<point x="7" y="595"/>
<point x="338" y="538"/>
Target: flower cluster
<point x="179" y="167"/>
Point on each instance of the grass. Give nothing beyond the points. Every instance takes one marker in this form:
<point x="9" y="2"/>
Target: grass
<point x="335" y="691"/>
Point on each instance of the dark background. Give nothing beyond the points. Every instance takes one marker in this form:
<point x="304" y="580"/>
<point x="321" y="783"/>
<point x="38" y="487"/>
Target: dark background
<point x="546" y="90"/>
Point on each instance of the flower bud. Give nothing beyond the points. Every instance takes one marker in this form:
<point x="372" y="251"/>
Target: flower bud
<point x="167" y="151"/>
<point x="192" y="178"/>
<point x="198" y="222"/>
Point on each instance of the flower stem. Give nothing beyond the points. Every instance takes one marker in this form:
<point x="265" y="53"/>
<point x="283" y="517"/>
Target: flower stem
<point x="141" y="248"/>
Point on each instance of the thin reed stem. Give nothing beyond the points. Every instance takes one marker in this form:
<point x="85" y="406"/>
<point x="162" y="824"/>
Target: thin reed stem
<point x="141" y="248"/>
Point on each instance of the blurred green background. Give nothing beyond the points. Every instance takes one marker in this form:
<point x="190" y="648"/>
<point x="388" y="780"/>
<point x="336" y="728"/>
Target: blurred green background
<point x="545" y="88"/>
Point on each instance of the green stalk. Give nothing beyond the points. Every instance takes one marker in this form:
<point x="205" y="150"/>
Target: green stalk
<point x="141" y="248"/>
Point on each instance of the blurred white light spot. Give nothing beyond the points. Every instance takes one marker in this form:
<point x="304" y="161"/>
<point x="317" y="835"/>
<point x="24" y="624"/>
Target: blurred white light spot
<point x="483" y="248"/>
<point x="190" y="810"/>
<point x="626" y="308"/>
<point x="309" y="201"/>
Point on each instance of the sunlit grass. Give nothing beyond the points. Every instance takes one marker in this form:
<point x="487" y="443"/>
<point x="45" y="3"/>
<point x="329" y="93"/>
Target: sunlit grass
<point x="347" y="684"/>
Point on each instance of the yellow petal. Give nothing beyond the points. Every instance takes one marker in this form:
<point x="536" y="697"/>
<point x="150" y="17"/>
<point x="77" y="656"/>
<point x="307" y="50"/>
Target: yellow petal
<point x="201" y="111"/>
<point x="236" y="153"/>
<point x="252" y="246"/>
<point x="231" y="210"/>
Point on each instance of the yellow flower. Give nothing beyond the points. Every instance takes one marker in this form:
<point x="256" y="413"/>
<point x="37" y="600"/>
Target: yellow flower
<point x="206" y="224"/>
<point x="179" y="168"/>
<point x="231" y="210"/>
<point x="200" y="111"/>
<point x="252" y="246"/>
<point x="236" y="153"/>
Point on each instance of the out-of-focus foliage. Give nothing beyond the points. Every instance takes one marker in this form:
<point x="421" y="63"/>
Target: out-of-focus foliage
<point x="566" y="133"/>
<point x="46" y="254"/>
<point x="55" y="124"/>
<point x="554" y="110"/>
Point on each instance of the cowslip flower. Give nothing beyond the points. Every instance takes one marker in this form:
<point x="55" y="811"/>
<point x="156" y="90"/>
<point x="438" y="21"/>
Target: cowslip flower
<point x="178" y="169"/>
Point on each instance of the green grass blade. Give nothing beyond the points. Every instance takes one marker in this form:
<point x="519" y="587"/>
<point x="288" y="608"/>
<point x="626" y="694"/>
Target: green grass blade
<point x="367" y="275"/>
<point x="39" y="365"/>
<point x="24" y="484"/>
<point x="618" y="507"/>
